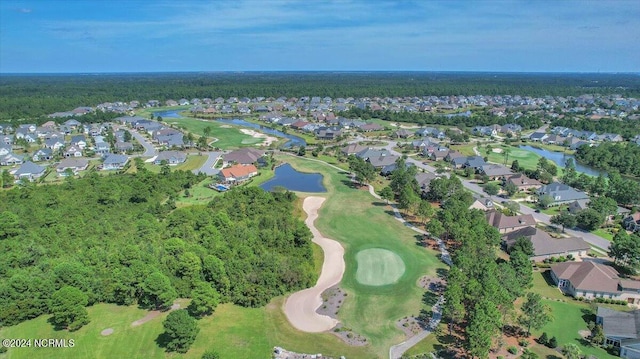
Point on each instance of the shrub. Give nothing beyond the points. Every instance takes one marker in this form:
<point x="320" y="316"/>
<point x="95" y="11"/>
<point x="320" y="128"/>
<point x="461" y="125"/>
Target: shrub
<point x="512" y="350"/>
<point x="543" y="339"/>
<point x="523" y="342"/>
<point x="553" y="343"/>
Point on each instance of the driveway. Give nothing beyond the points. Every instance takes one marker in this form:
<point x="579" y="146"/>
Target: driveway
<point x="208" y="167"/>
<point x="149" y="150"/>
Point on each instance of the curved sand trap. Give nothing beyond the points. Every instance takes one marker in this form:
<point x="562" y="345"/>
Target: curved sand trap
<point x="300" y="308"/>
<point x="106" y="332"/>
<point x="377" y="266"/>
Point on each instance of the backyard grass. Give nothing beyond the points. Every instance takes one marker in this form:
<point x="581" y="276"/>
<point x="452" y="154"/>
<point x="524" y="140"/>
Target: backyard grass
<point x="359" y="222"/>
<point x="466" y="150"/>
<point x="198" y="194"/>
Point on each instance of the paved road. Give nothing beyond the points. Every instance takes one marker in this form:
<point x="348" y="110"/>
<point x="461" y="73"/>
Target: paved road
<point x="396" y="351"/>
<point x="149" y="150"/>
<point x="208" y="167"/>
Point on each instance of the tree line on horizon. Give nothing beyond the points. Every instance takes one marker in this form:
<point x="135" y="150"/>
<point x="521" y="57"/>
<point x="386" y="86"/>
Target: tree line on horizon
<point x="29" y="96"/>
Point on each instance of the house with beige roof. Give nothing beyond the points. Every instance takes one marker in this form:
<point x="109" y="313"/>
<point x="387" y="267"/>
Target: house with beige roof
<point x="592" y="280"/>
<point x="506" y="224"/>
<point x="523" y="182"/>
<point x="545" y="246"/>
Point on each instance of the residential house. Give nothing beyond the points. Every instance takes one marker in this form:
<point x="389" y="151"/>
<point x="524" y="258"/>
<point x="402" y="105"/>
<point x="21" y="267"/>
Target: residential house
<point x="424" y="180"/>
<point x="538" y="136"/>
<point x="632" y="222"/>
<point x="621" y="330"/>
<point x="545" y="246"/>
<point x="72" y="151"/>
<point x="43" y="154"/>
<point x="554" y="140"/>
<point x="369" y="127"/>
<point x="403" y="133"/>
<point x="439" y="154"/>
<point x="102" y="148"/>
<point x="475" y="162"/>
<point x="482" y="203"/>
<point x="382" y="160"/>
<point x="79" y="141"/>
<point x="386" y="170"/>
<point x="511" y="128"/>
<point x="11" y="159"/>
<point x="486" y="130"/>
<point x="495" y="172"/>
<point x="29" y="171"/>
<point x="452" y="155"/>
<point x="523" y="182"/>
<point x="506" y="224"/>
<point x="5" y="149"/>
<point x="238" y="173"/>
<point x="243" y="156"/>
<point x="610" y="137"/>
<point x="114" y="162"/>
<point x="328" y="133"/>
<point x="6" y="139"/>
<point x="578" y="205"/>
<point x="54" y="143"/>
<point x="352" y="149"/>
<point x="123" y="147"/>
<point x="73" y="124"/>
<point x="560" y="193"/>
<point x="74" y="165"/>
<point x="590" y="280"/>
<point x="171" y="157"/>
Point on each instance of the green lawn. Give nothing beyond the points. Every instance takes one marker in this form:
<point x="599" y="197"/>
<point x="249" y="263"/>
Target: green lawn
<point x="466" y="150"/>
<point x="198" y="194"/>
<point x="605" y="233"/>
<point x="568" y="320"/>
<point x="360" y="222"/>
<point x="228" y="136"/>
<point x="526" y="159"/>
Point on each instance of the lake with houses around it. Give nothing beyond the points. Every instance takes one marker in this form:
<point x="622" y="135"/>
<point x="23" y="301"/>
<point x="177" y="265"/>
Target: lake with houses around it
<point x="287" y="177"/>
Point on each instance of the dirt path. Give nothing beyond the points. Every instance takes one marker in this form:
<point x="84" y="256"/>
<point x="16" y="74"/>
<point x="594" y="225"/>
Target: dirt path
<point x="152" y="314"/>
<point x="300" y="307"/>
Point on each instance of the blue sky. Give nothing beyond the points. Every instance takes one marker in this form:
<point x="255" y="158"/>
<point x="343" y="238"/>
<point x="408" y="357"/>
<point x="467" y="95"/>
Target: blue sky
<point x="344" y="35"/>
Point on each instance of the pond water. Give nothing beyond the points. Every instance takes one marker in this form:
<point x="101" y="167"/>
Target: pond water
<point x="287" y="177"/>
<point x="293" y="140"/>
<point x="560" y="158"/>
<point x="168" y="114"/>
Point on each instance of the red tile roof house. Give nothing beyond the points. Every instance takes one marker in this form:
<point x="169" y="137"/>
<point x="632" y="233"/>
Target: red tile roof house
<point x="594" y="280"/>
<point x="238" y="173"/>
<point x="506" y="224"/>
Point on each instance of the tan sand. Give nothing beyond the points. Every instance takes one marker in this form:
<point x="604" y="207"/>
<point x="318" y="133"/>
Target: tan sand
<point x="268" y="140"/>
<point x="300" y="308"/>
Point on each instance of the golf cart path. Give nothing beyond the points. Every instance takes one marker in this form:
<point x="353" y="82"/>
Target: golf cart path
<point x="300" y="307"/>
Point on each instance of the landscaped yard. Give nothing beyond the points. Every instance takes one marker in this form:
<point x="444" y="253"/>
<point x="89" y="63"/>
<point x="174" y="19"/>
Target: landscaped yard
<point x="606" y="233"/>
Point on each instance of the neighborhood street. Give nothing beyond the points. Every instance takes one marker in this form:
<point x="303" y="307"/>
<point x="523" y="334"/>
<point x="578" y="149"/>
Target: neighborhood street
<point x="540" y="217"/>
<point x="208" y="167"/>
<point x="149" y="150"/>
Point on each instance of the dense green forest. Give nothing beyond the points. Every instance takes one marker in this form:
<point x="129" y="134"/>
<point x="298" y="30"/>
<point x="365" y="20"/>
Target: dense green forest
<point x="623" y="157"/>
<point x="26" y="96"/>
<point x="120" y="239"/>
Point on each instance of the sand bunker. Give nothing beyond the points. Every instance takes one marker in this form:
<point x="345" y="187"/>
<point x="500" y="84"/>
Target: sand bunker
<point x="497" y="150"/>
<point x="300" y="308"/>
<point x="268" y="140"/>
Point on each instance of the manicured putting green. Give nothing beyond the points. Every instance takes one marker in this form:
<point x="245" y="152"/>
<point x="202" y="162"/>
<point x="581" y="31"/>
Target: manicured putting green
<point x="377" y="266"/>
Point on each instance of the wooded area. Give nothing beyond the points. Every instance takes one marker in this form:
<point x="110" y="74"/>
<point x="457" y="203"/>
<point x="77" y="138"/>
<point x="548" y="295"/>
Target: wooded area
<point x="28" y="96"/>
<point x="622" y="157"/>
<point x="120" y="239"/>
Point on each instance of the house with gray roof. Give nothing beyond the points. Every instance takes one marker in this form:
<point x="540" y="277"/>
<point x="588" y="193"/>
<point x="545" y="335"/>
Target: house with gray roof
<point x="494" y="171"/>
<point x="578" y="205"/>
<point x="74" y="165"/>
<point x="122" y="147"/>
<point x="243" y="156"/>
<point x="11" y="159"/>
<point x="424" y="180"/>
<point x="621" y="330"/>
<point x="171" y="157"/>
<point x="560" y="193"/>
<point x="114" y="162"/>
<point x="43" y="154"/>
<point x="538" y="136"/>
<point x="482" y="203"/>
<point x="475" y="162"/>
<point x="545" y="246"/>
<point x="5" y="149"/>
<point x="590" y="280"/>
<point x="382" y="160"/>
<point x="29" y="171"/>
